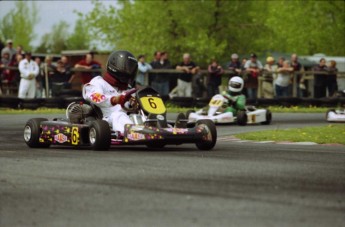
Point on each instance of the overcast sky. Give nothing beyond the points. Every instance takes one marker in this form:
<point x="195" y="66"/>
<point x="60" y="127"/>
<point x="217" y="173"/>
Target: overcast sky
<point x="51" y="12"/>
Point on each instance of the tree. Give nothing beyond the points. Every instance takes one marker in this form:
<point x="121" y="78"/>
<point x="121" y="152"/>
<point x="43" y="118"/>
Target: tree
<point x="55" y="41"/>
<point x="19" y="24"/>
<point x="206" y="29"/>
<point x="79" y="39"/>
<point x="215" y="29"/>
<point x="306" y="27"/>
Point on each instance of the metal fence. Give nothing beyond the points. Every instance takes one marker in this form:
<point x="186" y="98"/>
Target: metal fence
<point x="11" y="89"/>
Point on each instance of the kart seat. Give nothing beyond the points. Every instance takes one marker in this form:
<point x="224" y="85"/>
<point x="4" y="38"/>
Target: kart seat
<point x="97" y="112"/>
<point x="250" y="108"/>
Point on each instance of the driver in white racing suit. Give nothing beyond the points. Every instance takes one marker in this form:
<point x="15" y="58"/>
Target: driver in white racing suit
<point x="110" y="92"/>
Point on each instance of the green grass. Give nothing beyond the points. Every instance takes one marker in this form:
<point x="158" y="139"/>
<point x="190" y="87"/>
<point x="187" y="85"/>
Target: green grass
<point x="171" y="109"/>
<point x="41" y="110"/>
<point x="333" y="133"/>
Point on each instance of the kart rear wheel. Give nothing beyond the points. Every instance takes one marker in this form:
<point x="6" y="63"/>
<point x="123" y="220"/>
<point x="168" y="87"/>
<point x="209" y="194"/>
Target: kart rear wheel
<point x="242" y="118"/>
<point x="210" y="138"/>
<point x="32" y="132"/>
<point x="268" y="118"/>
<point x="100" y="135"/>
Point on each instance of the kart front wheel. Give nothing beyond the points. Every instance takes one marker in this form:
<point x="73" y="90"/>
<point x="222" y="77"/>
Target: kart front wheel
<point x="268" y="118"/>
<point x="242" y="118"/>
<point x="32" y="132"/>
<point x="210" y="135"/>
<point x="100" y="135"/>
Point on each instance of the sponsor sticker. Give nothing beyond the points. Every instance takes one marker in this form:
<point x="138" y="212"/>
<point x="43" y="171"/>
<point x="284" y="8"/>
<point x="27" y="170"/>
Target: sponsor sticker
<point x="61" y="138"/>
<point x="136" y="136"/>
<point x="177" y="130"/>
<point x="97" y="97"/>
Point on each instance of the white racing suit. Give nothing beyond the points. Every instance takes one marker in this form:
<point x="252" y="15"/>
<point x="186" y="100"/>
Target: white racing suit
<point x="28" y="72"/>
<point x="99" y="92"/>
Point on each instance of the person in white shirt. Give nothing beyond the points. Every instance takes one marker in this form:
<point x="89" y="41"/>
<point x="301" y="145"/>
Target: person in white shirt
<point x="28" y="69"/>
<point x="283" y="80"/>
<point x="110" y="92"/>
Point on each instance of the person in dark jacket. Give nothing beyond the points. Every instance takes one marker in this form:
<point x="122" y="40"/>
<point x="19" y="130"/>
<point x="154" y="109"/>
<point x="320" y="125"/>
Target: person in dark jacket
<point x="320" y="79"/>
<point x="331" y="80"/>
<point x="215" y="78"/>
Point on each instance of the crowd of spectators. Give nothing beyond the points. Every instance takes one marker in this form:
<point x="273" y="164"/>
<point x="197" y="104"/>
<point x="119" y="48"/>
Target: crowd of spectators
<point x="38" y="78"/>
<point x="277" y="79"/>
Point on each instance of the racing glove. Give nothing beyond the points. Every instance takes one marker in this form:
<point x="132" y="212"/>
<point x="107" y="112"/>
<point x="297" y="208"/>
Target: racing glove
<point x="121" y="99"/>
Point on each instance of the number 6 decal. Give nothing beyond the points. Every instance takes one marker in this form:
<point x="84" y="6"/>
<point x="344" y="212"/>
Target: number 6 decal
<point x="75" y="136"/>
<point x="152" y="103"/>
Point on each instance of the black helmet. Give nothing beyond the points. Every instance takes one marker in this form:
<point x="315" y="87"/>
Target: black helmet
<point x="122" y="66"/>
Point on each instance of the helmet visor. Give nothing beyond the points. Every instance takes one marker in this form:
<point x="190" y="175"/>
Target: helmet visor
<point x="234" y="84"/>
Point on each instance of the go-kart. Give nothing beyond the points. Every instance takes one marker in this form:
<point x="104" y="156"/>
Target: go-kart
<point x="84" y="127"/>
<point x="335" y="115"/>
<point x="216" y="112"/>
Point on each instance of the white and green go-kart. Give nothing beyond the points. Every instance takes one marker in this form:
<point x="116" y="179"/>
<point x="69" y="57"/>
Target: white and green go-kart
<point x="215" y="112"/>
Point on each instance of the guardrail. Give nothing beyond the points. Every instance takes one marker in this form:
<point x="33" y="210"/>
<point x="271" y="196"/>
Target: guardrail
<point x="307" y="76"/>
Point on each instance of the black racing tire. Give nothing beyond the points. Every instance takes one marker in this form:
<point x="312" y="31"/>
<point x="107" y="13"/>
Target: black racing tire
<point x="328" y="111"/>
<point x="242" y="118"/>
<point x="209" y="142"/>
<point x="189" y="112"/>
<point x="32" y="132"/>
<point x="100" y="135"/>
<point x="268" y="118"/>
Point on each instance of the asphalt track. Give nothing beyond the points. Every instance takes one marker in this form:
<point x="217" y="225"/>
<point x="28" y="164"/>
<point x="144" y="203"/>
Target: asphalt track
<point x="236" y="184"/>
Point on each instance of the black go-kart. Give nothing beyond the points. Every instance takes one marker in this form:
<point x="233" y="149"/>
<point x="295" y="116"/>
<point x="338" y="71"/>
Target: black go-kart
<point x="84" y="126"/>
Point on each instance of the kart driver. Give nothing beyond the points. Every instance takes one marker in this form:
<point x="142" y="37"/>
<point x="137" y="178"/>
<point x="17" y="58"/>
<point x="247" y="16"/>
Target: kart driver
<point x="236" y="100"/>
<point x="110" y="92"/>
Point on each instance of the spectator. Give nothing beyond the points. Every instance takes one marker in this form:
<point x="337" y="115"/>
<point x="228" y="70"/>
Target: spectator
<point x="320" y="79"/>
<point x="5" y="75"/>
<point x="234" y="66"/>
<point x="143" y="68"/>
<point x="9" y="48"/>
<point x="87" y="63"/>
<point x="283" y="80"/>
<point x="331" y="81"/>
<point x="28" y="72"/>
<point x="267" y="85"/>
<point x="297" y="68"/>
<point x="156" y="57"/>
<point x="184" y="84"/>
<point x="68" y="67"/>
<point x="15" y="74"/>
<point x="19" y="49"/>
<point x="215" y="78"/>
<point x="39" y="79"/>
<point x="253" y="69"/>
<point x="47" y="69"/>
<point x="160" y="82"/>
<point x="60" y="79"/>
<point x="280" y="62"/>
<point x="243" y="62"/>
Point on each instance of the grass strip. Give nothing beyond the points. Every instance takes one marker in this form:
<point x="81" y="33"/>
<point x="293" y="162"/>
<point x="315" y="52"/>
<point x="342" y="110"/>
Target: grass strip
<point x="333" y="133"/>
<point x="173" y="109"/>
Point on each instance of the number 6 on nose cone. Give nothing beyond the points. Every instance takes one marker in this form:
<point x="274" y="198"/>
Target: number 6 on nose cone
<point x="153" y="105"/>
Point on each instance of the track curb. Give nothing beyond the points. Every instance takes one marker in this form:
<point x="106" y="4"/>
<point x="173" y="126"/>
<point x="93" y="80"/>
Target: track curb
<point x="304" y="143"/>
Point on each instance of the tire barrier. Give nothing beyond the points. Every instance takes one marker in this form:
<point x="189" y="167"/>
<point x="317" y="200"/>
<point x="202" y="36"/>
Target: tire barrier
<point x="63" y="102"/>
